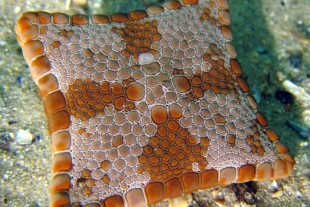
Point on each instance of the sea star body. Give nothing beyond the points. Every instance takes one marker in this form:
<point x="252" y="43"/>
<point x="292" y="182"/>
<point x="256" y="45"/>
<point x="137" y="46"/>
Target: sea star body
<point x="146" y="106"/>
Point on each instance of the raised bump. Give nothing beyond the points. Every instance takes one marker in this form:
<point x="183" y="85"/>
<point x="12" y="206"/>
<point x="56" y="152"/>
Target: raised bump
<point x="281" y="148"/>
<point x="79" y="19"/>
<point x="155" y="192"/>
<point x="287" y="157"/>
<point x="119" y="17"/>
<point x="261" y="119"/>
<point x="272" y="135"/>
<point x="60" y="182"/>
<point x="243" y="84"/>
<point x="32" y="49"/>
<point x="60" y="18"/>
<point x="39" y="67"/>
<point x="173" y="5"/>
<point x="190" y="1"/>
<point x="224" y="17"/>
<point x="246" y="173"/>
<point x="227" y="176"/>
<point x="173" y="188"/>
<point x="60" y="141"/>
<point x="181" y="84"/>
<point x="190" y="182"/>
<point x="137" y="14"/>
<point x="61" y="162"/>
<point x="280" y="169"/>
<point x="29" y="33"/>
<point x="99" y="19"/>
<point x="135" y="92"/>
<point x="59" y="199"/>
<point x="226" y="32"/>
<point x="209" y="178"/>
<point x="33" y="16"/>
<point x="135" y="198"/>
<point x="21" y="24"/>
<point x="264" y="172"/>
<point x="53" y="102"/>
<point x="58" y="121"/>
<point x="290" y="168"/>
<point x="156" y="9"/>
<point x="231" y="50"/>
<point x="252" y="101"/>
<point x="44" y="17"/>
<point x="159" y="114"/>
<point x="114" y="201"/>
<point x="236" y="67"/>
<point x="231" y="139"/>
<point x="47" y="84"/>
<point x="223" y="4"/>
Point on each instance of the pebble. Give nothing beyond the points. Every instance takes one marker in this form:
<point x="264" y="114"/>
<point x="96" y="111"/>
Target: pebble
<point x="304" y="144"/>
<point x="299" y="92"/>
<point x="303" y="131"/>
<point x="241" y="204"/>
<point x="273" y="186"/>
<point x="24" y="137"/>
<point x="247" y="196"/>
<point x="256" y="93"/>
<point x="220" y="202"/>
<point x="277" y="194"/>
<point x="178" y="201"/>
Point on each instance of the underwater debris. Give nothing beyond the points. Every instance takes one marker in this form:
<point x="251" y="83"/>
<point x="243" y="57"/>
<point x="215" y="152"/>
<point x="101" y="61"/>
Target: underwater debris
<point x="284" y="97"/>
<point x="300" y="94"/>
<point x="24" y="137"/>
<point x="77" y="6"/>
<point x="295" y="60"/>
<point x="303" y="131"/>
<point x="5" y="140"/>
<point x="256" y="93"/>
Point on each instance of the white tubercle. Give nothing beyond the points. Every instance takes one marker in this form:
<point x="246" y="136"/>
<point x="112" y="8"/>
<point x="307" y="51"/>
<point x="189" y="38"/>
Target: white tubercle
<point x="146" y="58"/>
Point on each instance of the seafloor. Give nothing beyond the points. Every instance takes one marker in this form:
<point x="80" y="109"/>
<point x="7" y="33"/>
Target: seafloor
<point x="272" y="39"/>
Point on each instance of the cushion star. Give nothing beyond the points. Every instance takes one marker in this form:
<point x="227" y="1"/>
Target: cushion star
<point x="147" y="105"/>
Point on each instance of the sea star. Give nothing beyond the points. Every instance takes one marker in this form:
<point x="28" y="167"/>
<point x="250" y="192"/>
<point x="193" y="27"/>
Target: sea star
<point x="147" y="106"/>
